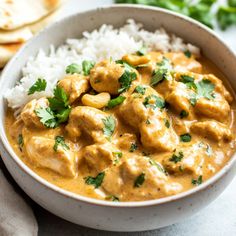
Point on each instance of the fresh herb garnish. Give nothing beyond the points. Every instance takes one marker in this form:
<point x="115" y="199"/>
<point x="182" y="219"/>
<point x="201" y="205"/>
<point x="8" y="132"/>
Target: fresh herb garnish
<point x="167" y="123"/>
<point x="140" y="89"/>
<point x="147" y="122"/>
<point x="39" y="86"/>
<point x="177" y="158"/>
<point x="205" y="89"/>
<point x="87" y="66"/>
<point x="20" y="141"/>
<point x="112" y="198"/>
<point x="73" y="69"/>
<point x="153" y="101"/>
<point x="157" y="165"/>
<point x="226" y="16"/>
<point x="197" y="181"/>
<point x="183" y="114"/>
<point x="60" y="141"/>
<point x="127" y="77"/>
<point x="188" y="81"/>
<point x="142" y="51"/>
<point x="47" y="117"/>
<point x="139" y="180"/>
<point x="162" y="72"/>
<point x="133" y="147"/>
<point x="95" y="181"/>
<point x="116" y="101"/>
<point x="109" y="126"/>
<point x="185" y="138"/>
<point x="117" y="156"/>
<point x="187" y="53"/>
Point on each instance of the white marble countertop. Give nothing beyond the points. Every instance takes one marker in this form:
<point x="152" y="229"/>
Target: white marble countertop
<point x="217" y="219"/>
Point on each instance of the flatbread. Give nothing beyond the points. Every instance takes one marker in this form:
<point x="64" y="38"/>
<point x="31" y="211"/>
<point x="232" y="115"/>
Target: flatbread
<point x="15" y="36"/>
<point x="7" y="51"/>
<point x="17" y="13"/>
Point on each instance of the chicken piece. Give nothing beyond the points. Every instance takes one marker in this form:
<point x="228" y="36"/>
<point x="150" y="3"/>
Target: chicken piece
<point x="74" y="86"/>
<point x="124" y="142"/>
<point x="152" y="182"/>
<point x="189" y="159"/>
<point x="100" y="156"/>
<point x="41" y="152"/>
<point x="183" y="63"/>
<point x="212" y="130"/>
<point x="104" y="77"/>
<point x="136" y="60"/>
<point x="29" y="116"/>
<point x="217" y="108"/>
<point x="143" y="115"/>
<point x="88" y="120"/>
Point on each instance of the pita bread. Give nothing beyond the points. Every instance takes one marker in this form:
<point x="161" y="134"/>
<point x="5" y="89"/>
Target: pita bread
<point x="16" y="36"/>
<point x="7" y="51"/>
<point x="17" y="13"/>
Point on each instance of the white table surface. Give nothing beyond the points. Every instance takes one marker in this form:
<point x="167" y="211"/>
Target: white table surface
<point x="217" y="219"/>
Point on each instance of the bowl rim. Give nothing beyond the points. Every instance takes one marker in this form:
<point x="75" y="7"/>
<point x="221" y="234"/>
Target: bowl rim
<point x="4" y="143"/>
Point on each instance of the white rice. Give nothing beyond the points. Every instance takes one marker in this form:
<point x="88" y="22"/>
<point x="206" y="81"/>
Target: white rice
<point x="100" y="44"/>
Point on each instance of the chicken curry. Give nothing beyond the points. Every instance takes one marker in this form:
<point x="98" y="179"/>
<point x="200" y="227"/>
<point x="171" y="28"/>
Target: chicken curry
<point x="144" y="127"/>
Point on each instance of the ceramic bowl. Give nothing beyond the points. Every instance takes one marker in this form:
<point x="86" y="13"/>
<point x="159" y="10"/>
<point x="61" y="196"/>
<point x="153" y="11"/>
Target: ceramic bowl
<point x="113" y="216"/>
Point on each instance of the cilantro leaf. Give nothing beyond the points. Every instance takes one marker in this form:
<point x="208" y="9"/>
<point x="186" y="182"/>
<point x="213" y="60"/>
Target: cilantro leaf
<point x="109" y="126"/>
<point x="187" y="53"/>
<point x="205" y="89"/>
<point x="140" y="89"/>
<point x="167" y="123"/>
<point x="116" y="101"/>
<point x="20" y="141"/>
<point x="117" y="156"/>
<point x="47" y="117"/>
<point x="142" y="51"/>
<point x="73" y="69"/>
<point x="127" y="77"/>
<point x="133" y="147"/>
<point x="157" y="165"/>
<point x="197" y="181"/>
<point x="188" y="81"/>
<point x="139" y="180"/>
<point x="59" y="140"/>
<point x="153" y="101"/>
<point x="183" y="114"/>
<point x="162" y="72"/>
<point x="95" y="181"/>
<point x="112" y="198"/>
<point x="39" y="86"/>
<point x="185" y="138"/>
<point x="177" y="158"/>
<point x="87" y="66"/>
<point x="226" y="16"/>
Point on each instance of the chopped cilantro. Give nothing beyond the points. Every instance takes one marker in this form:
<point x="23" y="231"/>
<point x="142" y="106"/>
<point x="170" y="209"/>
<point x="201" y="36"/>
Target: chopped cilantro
<point x="87" y="66"/>
<point x="73" y="69"/>
<point x="109" y="126"/>
<point x="116" y="101"/>
<point x="59" y="140"/>
<point x="185" y="138"/>
<point x="177" y="158"/>
<point x="153" y="101"/>
<point x="188" y="81"/>
<point x="95" y="181"/>
<point x="167" y="123"/>
<point x="133" y="147"/>
<point x="127" y="77"/>
<point x="183" y="114"/>
<point x="147" y="122"/>
<point x="157" y="165"/>
<point x="162" y="72"/>
<point x="20" y="141"/>
<point x="188" y="54"/>
<point x="39" y="86"/>
<point x="117" y="156"/>
<point x="205" y="89"/>
<point x="112" y="198"/>
<point x="142" y="51"/>
<point x="226" y="16"/>
<point x="140" y="89"/>
<point x="47" y="117"/>
<point x="197" y="181"/>
<point x="208" y="150"/>
<point x="139" y="180"/>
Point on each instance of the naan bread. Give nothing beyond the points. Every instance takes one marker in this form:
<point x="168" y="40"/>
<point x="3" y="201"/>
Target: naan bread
<point x="7" y="51"/>
<point x="15" y="36"/>
<point x="17" y="13"/>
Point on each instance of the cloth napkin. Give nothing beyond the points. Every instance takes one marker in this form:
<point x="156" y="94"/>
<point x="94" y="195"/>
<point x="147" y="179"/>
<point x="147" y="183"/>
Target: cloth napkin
<point x="16" y="217"/>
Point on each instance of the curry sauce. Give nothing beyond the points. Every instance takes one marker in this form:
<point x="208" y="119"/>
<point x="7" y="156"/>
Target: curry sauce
<point x="144" y="127"/>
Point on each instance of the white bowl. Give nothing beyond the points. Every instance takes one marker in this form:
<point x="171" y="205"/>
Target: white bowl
<point x="124" y="216"/>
